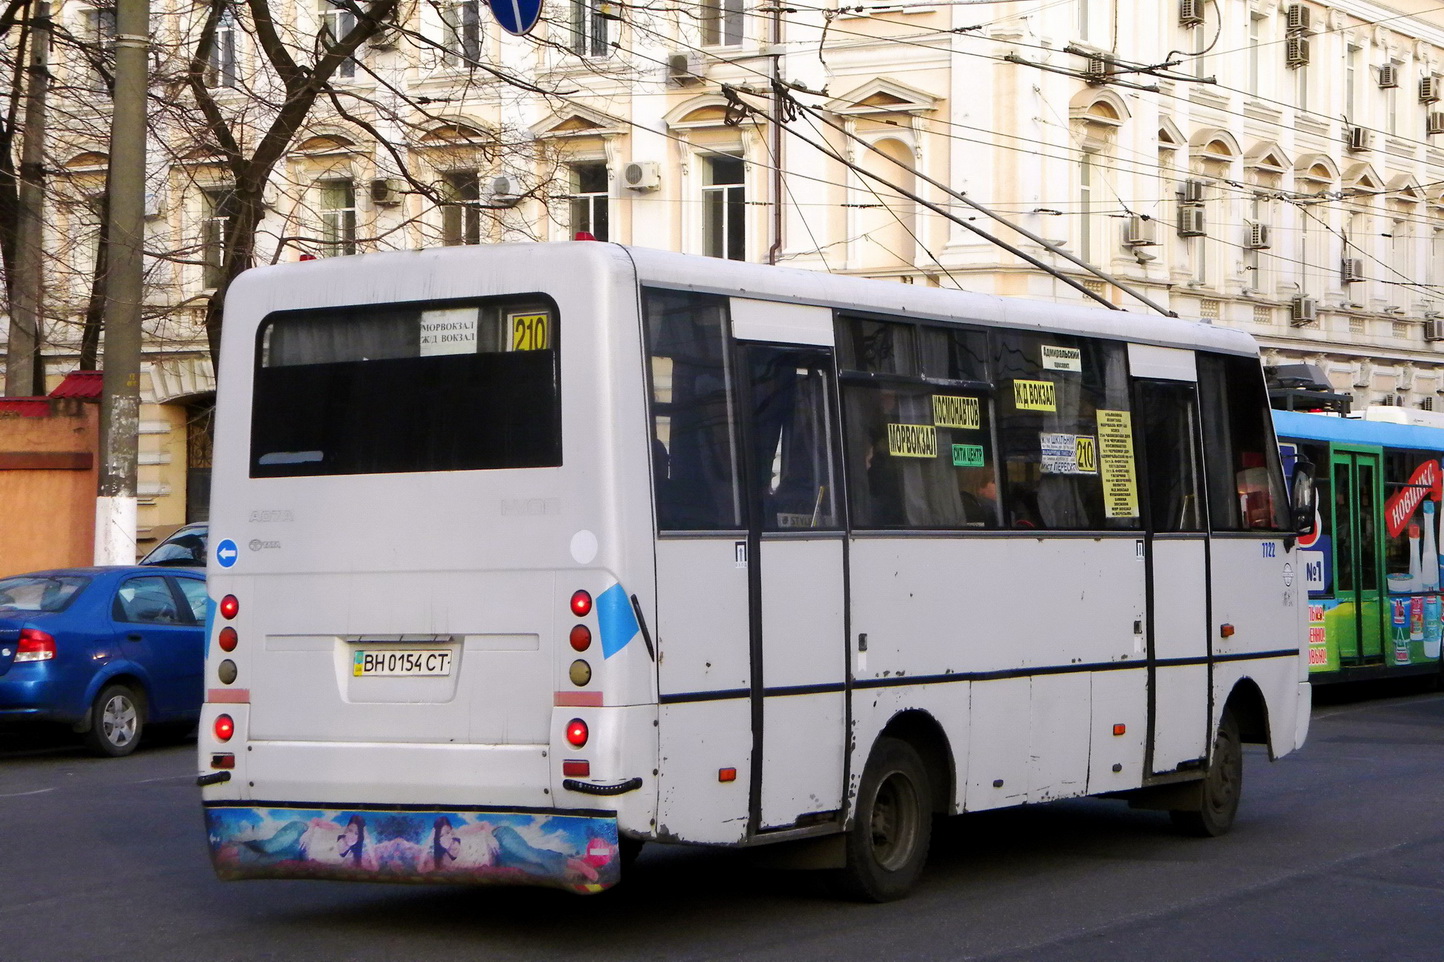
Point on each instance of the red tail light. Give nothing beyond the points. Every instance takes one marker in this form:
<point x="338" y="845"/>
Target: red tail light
<point x="35" y="645"/>
<point x="581" y="603"/>
<point x="225" y="727"/>
<point x="577" y="732"/>
<point x="230" y="606"/>
<point x="228" y="638"/>
<point x="581" y="637"/>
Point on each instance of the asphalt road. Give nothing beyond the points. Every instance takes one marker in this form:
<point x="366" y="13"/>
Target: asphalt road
<point x="1338" y="854"/>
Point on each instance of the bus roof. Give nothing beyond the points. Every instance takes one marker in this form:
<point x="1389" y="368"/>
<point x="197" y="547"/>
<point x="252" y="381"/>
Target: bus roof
<point x="1319" y="427"/>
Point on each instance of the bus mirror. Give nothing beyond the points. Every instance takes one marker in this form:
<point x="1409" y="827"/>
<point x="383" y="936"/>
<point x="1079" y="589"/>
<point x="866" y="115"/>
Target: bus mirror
<point x="1305" y="497"/>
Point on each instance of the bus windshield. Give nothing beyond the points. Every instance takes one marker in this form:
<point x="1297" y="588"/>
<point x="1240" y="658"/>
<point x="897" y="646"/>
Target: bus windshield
<point x="447" y="386"/>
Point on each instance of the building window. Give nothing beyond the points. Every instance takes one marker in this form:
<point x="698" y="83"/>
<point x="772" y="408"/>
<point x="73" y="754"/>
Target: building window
<point x="463" y="32"/>
<point x="336" y="23"/>
<point x="589" y="29"/>
<point x="1391" y="100"/>
<point x="98" y="24"/>
<point x="1255" y="51"/>
<point x="589" y="200"/>
<point x="722" y="22"/>
<point x="460" y="215"/>
<point x="1351" y="84"/>
<point x="221" y="60"/>
<point x="338" y="217"/>
<point x="724" y="223"/>
<point x="1085" y="208"/>
<point x="217" y="205"/>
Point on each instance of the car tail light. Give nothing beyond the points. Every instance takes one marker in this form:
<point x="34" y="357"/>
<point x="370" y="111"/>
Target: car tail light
<point x="225" y="727"/>
<point x="577" y="732"/>
<point x="230" y="607"/>
<point x="35" y="645"/>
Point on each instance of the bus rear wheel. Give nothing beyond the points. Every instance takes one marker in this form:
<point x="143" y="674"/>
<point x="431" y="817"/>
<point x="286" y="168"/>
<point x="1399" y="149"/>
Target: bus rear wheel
<point x="891" y="827"/>
<point x="1222" y="785"/>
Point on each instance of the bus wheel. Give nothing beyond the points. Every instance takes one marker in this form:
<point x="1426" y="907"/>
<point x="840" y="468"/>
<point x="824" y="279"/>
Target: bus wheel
<point x="892" y="824"/>
<point x="116" y="720"/>
<point x="1222" y="785"/>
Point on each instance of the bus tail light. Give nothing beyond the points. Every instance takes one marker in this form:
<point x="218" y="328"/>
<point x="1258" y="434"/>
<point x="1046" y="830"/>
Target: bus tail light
<point x="577" y="733"/>
<point x="228" y="638"/>
<point x="581" y="603"/>
<point x="225" y="728"/>
<point x="223" y="760"/>
<point x="230" y="607"/>
<point x="581" y="637"/>
<point x="35" y="645"/>
<point x="576" y="768"/>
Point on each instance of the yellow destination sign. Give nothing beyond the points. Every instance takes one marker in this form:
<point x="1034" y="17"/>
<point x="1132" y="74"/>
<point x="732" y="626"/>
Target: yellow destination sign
<point x="912" y="440"/>
<point x="957" y="412"/>
<point x="1035" y="396"/>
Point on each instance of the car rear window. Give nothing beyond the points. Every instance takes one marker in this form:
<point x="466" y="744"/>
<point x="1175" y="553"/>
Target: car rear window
<point x="40" y="593"/>
<point x="435" y="386"/>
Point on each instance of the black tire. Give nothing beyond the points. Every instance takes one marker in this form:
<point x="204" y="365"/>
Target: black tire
<point x="887" y="843"/>
<point x="1222" y="785"/>
<point x="116" y="721"/>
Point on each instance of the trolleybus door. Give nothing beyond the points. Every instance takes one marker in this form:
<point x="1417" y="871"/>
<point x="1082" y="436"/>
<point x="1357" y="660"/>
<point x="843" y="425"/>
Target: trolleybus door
<point x="796" y="583"/>
<point x="1361" y="610"/>
<point x="1176" y="556"/>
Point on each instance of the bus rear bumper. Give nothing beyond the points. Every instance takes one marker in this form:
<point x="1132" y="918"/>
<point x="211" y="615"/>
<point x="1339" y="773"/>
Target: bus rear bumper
<point x="576" y="851"/>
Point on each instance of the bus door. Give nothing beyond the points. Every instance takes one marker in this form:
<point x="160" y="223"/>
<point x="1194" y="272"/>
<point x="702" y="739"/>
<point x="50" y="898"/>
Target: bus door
<point x="1176" y="562"/>
<point x="796" y="583"/>
<point x="1359" y="613"/>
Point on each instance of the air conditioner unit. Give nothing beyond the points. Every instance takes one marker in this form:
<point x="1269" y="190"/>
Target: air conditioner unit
<point x="1258" y="237"/>
<point x="1298" y="18"/>
<point x="642" y="175"/>
<point x="1428" y="89"/>
<point x="1192" y="192"/>
<point x="1190" y="221"/>
<point x="386" y="192"/>
<point x="684" y="69"/>
<point x="1434" y="123"/>
<point x="1303" y="310"/>
<point x="1360" y="138"/>
<point x="505" y="192"/>
<point x="1388" y="75"/>
<point x="1190" y="13"/>
<point x="1351" y="270"/>
<point x="1296" y="51"/>
<point x="1140" y="231"/>
<point x="1433" y="329"/>
<point x="1098" y="69"/>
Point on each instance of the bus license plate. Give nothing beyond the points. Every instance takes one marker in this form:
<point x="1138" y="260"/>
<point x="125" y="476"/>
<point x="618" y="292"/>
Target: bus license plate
<point x="421" y="661"/>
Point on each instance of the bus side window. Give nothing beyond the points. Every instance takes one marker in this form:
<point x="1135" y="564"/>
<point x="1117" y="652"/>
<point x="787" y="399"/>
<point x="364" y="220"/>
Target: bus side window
<point x="1245" y="479"/>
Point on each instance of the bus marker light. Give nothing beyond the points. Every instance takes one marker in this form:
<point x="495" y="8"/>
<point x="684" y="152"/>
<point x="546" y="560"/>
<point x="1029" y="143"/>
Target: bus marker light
<point x="576" y="732"/>
<point x="581" y="637"/>
<point x="576" y="768"/>
<point x="226" y="672"/>
<point x="228" y="639"/>
<point x="726" y="774"/>
<point x="230" y="607"/>
<point x="1120" y="729"/>
<point x="223" y="760"/>
<point x="581" y="603"/>
<point x="580" y="673"/>
<point x="225" y="727"/>
<point x="1225" y="631"/>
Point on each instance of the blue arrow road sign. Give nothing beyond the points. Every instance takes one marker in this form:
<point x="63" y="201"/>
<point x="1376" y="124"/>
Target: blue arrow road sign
<point x="227" y="553"/>
<point x="516" y="16"/>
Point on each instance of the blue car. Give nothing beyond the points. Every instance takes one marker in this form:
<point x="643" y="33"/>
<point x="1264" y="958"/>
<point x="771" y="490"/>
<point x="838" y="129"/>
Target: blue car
<point x="105" y="650"/>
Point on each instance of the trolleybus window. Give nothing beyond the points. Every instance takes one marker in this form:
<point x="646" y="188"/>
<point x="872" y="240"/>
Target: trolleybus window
<point x="415" y="387"/>
<point x="694" y="440"/>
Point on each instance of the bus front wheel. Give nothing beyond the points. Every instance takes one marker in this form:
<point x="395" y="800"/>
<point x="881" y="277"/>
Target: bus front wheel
<point x="887" y="843"/>
<point x="1222" y="785"/>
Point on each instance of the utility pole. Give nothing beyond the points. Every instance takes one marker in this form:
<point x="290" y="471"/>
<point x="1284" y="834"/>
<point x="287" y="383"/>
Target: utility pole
<point x="120" y="401"/>
<point x="24" y="368"/>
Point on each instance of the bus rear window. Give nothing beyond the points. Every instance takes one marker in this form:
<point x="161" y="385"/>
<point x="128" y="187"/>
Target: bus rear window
<point x="450" y="386"/>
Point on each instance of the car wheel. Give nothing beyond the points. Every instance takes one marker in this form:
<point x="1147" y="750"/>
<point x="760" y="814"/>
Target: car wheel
<point x="1222" y="785"/>
<point x="116" y="720"/>
<point x="887" y="843"/>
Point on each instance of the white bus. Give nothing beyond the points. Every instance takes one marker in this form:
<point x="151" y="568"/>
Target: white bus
<point x="524" y="555"/>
